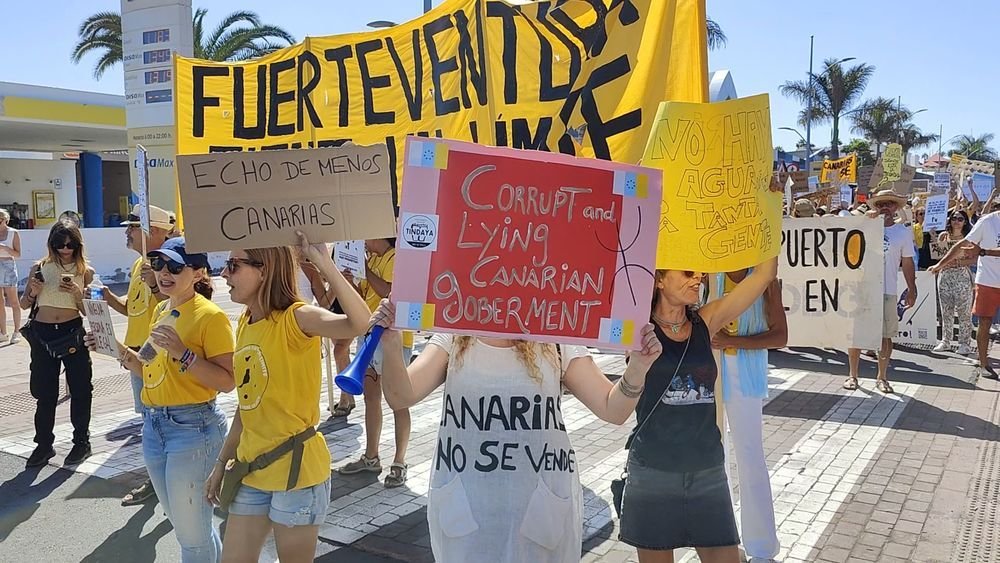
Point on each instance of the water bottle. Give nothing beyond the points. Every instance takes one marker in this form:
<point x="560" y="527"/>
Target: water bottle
<point x="97" y="289"/>
<point x="149" y="350"/>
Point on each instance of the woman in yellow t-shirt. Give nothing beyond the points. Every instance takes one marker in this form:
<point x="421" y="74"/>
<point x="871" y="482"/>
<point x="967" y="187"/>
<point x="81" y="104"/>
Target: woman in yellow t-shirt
<point x="278" y="384"/>
<point x="183" y="428"/>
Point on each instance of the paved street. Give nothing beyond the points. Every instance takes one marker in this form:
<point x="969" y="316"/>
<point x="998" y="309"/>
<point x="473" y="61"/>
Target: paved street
<point x="857" y="476"/>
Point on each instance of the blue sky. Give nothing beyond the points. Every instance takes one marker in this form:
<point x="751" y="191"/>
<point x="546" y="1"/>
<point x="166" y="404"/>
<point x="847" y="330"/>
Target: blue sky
<point x="927" y="52"/>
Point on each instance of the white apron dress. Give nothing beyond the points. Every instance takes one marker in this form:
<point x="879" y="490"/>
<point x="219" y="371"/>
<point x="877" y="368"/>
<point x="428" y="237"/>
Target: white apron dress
<point x="505" y="483"/>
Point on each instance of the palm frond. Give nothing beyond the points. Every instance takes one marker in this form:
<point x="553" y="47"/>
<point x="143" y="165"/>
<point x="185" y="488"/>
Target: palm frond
<point x="716" y="37"/>
<point x="238" y="17"/>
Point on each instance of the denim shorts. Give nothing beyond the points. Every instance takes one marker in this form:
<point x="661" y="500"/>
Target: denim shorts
<point x="664" y="510"/>
<point x="299" y="507"/>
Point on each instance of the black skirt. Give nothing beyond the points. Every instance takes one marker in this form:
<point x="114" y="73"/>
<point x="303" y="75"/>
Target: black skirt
<point x="665" y="510"/>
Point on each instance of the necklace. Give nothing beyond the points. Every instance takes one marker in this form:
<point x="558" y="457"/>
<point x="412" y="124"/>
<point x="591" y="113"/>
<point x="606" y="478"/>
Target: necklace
<point x="674" y="327"/>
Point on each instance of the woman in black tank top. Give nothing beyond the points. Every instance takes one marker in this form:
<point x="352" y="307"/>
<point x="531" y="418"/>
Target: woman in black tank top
<point x="676" y="493"/>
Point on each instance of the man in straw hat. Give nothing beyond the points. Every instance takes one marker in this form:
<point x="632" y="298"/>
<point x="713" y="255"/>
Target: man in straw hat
<point x="138" y="305"/>
<point x="983" y="240"/>
<point x="899" y="250"/>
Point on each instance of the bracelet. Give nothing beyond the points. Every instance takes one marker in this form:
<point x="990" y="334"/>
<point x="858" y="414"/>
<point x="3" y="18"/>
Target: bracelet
<point x="629" y="390"/>
<point x="187" y="360"/>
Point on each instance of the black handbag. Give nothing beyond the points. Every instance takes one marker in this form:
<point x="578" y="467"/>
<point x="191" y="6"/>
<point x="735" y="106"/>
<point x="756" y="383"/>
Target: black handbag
<point x="618" y="485"/>
<point x="66" y="345"/>
<point x="28" y="330"/>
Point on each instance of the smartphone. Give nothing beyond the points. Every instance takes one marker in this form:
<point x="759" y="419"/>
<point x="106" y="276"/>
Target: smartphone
<point x="39" y="276"/>
<point x="67" y="279"/>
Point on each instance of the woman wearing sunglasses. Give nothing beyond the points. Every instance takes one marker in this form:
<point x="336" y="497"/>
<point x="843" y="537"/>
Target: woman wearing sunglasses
<point x="55" y="296"/>
<point x="183" y="428"/>
<point x="278" y="385"/>
<point x="955" y="284"/>
<point x="676" y="492"/>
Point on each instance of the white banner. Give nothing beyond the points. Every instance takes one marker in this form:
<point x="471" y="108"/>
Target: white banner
<point x="831" y="273"/>
<point x="942" y="180"/>
<point x="918" y="325"/>
<point x="936" y="213"/>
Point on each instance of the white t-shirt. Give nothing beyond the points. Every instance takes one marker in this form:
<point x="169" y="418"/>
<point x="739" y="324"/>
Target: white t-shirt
<point x="504" y="485"/>
<point x="986" y="234"/>
<point x="898" y="244"/>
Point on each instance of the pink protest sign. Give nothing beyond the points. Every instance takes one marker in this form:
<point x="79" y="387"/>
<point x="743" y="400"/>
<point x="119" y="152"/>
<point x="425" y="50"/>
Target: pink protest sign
<point x="525" y="244"/>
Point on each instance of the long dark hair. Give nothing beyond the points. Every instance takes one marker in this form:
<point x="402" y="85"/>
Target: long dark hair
<point x="203" y="285"/>
<point x="966" y="227"/>
<point x="61" y="232"/>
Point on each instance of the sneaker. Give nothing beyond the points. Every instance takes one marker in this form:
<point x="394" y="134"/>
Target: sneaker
<point x="79" y="453"/>
<point x="396" y="476"/>
<point x="943" y="346"/>
<point x="15" y="337"/>
<point x="40" y="456"/>
<point x="988" y="373"/>
<point x="372" y="465"/>
<point x="140" y="494"/>
<point x="963" y="349"/>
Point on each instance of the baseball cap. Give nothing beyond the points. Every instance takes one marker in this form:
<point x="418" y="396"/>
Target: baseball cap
<point x="173" y="249"/>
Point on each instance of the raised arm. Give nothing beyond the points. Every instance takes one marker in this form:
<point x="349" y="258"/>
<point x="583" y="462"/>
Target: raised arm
<point x="322" y="322"/>
<point x="776" y="335"/>
<point x="721" y="312"/>
<point x="406" y="386"/>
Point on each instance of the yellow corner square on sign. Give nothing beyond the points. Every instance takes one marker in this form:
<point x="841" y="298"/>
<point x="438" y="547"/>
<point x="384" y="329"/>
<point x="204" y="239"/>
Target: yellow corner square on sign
<point x="641" y="186"/>
<point x="628" y="331"/>
<point x="441" y="156"/>
<point x="427" y="316"/>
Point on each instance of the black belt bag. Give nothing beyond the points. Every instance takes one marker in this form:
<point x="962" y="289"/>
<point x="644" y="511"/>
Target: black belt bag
<point x="65" y="345"/>
<point x="236" y="470"/>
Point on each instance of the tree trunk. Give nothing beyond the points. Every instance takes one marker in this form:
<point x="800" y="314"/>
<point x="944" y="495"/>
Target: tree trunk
<point x="835" y="139"/>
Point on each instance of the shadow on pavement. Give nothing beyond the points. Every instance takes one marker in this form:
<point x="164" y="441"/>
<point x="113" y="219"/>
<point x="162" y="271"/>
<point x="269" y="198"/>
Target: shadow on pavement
<point x="20" y="498"/>
<point x="944" y="371"/>
<point x="128" y="543"/>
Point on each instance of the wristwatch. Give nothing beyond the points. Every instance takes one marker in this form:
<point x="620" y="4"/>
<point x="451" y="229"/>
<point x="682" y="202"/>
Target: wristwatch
<point x="982" y="252"/>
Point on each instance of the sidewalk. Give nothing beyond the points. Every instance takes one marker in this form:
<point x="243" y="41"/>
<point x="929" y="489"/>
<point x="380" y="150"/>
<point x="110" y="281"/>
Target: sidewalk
<point x="857" y="476"/>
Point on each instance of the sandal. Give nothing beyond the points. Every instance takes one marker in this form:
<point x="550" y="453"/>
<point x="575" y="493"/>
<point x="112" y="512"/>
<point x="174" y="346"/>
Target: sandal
<point x="139" y="495"/>
<point x="341" y="410"/>
<point x="396" y="476"/>
<point x="851" y="384"/>
<point x="883" y="386"/>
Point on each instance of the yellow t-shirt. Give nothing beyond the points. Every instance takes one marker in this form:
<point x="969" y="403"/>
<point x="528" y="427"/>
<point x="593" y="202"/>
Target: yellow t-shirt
<point x="140" y="306"/>
<point x="382" y="267"/>
<point x="204" y="328"/>
<point x="278" y="384"/>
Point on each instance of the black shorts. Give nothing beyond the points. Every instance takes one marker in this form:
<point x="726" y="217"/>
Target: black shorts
<point x="665" y="510"/>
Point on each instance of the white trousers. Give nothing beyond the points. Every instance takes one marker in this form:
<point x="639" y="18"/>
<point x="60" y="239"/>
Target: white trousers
<point x="745" y="419"/>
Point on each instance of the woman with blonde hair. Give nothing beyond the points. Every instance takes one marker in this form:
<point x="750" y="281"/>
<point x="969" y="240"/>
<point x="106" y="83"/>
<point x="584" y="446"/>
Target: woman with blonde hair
<point x="55" y="333"/>
<point x="183" y="427"/>
<point x="283" y="478"/>
<point x="504" y="481"/>
<point x="10" y="251"/>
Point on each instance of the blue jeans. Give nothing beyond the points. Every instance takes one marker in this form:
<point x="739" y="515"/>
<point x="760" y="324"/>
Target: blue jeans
<point x="180" y="446"/>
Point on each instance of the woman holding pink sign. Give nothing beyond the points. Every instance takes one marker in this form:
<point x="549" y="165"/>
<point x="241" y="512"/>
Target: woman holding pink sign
<point x="504" y="480"/>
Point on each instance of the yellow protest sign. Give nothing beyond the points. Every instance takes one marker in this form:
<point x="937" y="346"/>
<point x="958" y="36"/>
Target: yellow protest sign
<point x="892" y="164"/>
<point x="845" y="169"/>
<point x="581" y="78"/>
<point x="719" y="213"/>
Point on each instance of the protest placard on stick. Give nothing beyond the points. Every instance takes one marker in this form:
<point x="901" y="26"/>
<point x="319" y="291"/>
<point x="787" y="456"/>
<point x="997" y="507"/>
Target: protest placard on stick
<point x="719" y="213"/>
<point x="525" y="244"/>
<point x="936" y="213"/>
<point x="260" y="199"/>
<point x="844" y="168"/>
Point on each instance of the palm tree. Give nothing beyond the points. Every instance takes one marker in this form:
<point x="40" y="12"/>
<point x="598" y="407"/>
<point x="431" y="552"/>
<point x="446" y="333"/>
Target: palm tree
<point x="716" y="37"/>
<point x="910" y="137"/>
<point x="975" y="148"/>
<point x="240" y="36"/>
<point x="879" y="120"/>
<point x="833" y="92"/>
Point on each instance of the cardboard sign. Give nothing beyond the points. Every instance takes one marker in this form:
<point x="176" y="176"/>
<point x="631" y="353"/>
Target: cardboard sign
<point x="918" y="325"/>
<point x="900" y="186"/>
<point x="942" y="180"/>
<point x="238" y="200"/>
<point x="846" y="196"/>
<point x="101" y="326"/>
<point x="936" y="213"/>
<point x="920" y="186"/>
<point x="831" y="281"/>
<point x="959" y="165"/>
<point x="525" y="244"/>
<point x="813" y="183"/>
<point x="844" y="168"/>
<point x="349" y="256"/>
<point x="142" y="174"/>
<point x="719" y="213"/>
<point x="892" y="163"/>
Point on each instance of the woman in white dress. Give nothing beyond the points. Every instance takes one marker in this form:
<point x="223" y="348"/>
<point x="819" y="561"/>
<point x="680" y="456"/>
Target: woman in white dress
<point x="504" y="483"/>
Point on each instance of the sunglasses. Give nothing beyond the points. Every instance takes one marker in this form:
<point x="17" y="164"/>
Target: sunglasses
<point x="958" y="218"/>
<point x="233" y="264"/>
<point x="72" y="245"/>
<point x="157" y="263"/>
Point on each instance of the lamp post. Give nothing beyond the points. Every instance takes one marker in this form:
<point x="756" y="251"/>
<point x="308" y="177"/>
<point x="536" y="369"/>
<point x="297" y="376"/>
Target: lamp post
<point x="809" y="105"/>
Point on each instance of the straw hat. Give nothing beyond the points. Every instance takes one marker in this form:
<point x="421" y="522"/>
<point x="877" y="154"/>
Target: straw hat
<point x="886" y="195"/>
<point x="804" y="208"/>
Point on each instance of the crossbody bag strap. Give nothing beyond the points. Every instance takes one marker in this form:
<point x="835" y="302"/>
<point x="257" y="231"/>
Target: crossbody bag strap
<point x="295" y="444"/>
<point x="628" y="442"/>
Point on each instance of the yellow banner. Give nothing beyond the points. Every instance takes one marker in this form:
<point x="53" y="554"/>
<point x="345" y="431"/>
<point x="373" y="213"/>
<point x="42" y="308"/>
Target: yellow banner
<point x="719" y="212"/>
<point x="892" y="164"/>
<point x="582" y="77"/>
<point x="846" y="169"/>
